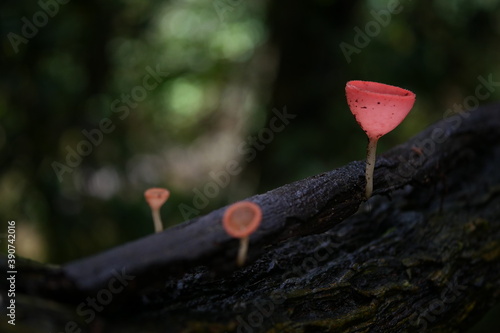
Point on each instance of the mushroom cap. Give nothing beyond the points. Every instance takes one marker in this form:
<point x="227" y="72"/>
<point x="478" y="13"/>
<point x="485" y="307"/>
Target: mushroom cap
<point x="156" y="197"/>
<point x="242" y="219"/>
<point x="377" y="107"/>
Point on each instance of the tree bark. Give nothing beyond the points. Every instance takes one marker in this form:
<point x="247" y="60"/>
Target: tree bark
<point x="423" y="254"/>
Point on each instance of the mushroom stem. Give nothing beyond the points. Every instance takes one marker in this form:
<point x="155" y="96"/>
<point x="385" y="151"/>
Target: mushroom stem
<point x="242" y="252"/>
<point x="157" y="220"/>
<point x="371" y="153"/>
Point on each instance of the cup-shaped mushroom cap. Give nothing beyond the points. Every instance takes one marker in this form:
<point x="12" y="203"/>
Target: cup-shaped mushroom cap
<point x="377" y="107"/>
<point x="242" y="219"/>
<point x="156" y="197"/>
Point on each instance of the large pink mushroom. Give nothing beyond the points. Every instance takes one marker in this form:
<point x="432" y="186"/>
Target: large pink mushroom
<point x="378" y="109"/>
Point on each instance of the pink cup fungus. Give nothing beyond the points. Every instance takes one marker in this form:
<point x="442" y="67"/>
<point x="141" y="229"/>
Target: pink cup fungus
<point x="378" y="109"/>
<point x="241" y="220"/>
<point x="156" y="197"/>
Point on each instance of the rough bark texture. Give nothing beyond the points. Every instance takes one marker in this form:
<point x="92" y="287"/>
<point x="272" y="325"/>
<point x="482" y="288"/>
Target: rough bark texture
<point x="422" y="254"/>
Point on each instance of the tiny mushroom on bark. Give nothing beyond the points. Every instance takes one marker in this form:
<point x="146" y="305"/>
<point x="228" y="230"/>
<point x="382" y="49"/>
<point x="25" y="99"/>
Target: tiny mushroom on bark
<point x="156" y="197"/>
<point x="378" y="109"/>
<point x="240" y="220"/>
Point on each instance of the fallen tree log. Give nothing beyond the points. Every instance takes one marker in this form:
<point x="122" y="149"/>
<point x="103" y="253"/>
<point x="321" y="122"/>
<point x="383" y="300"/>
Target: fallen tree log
<point x="422" y="254"/>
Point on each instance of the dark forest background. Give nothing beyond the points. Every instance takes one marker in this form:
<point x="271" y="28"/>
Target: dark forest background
<point x="224" y="70"/>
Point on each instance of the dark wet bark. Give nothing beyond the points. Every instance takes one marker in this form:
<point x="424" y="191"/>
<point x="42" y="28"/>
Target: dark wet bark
<point x="422" y="253"/>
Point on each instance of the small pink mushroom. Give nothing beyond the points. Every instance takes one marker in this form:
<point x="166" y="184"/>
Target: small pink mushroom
<point x="378" y="109"/>
<point x="156" y="197"/>
<point x="241" y="220"/>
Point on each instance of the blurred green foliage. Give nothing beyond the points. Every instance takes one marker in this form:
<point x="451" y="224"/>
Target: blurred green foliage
<point x="229" y="64"/>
